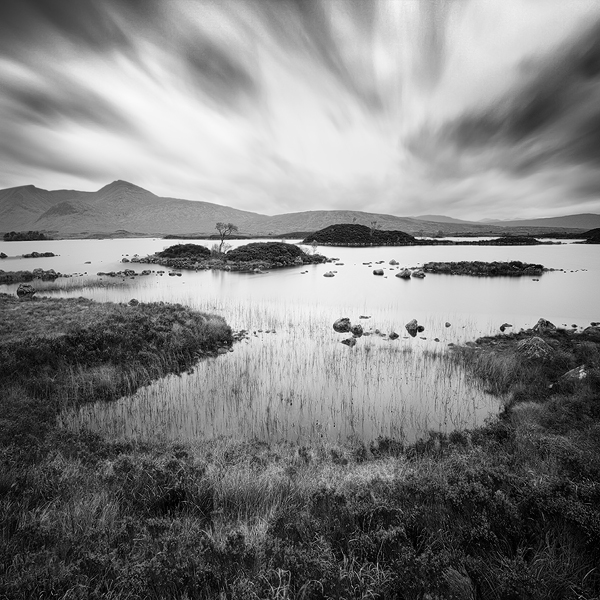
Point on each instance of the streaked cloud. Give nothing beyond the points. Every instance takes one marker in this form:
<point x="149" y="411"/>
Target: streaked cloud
<point x="469" y="108"/>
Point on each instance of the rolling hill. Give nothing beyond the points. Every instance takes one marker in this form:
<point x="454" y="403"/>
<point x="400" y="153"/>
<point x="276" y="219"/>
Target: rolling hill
<point x="126" y="209"/>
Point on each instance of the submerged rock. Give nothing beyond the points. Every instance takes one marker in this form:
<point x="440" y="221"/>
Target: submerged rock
<point x="342" y="325"/>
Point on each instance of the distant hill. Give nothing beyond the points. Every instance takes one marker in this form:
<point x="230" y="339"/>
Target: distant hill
<point x="123" y="206"/>
<point x="579" y="221"/>
<point x="441" y="219"/>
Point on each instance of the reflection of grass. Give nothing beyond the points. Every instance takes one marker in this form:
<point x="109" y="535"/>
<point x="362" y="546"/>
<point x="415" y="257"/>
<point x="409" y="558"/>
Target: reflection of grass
<point x="510" y="510"/>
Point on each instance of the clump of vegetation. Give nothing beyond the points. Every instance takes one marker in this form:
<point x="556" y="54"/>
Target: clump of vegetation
<point x="39" y="255"/>
<point x="359" y="235"/>
<point x="592" y="236"/>
<point x="514" y="268"/>
<point x="24" y="236"/>
<point x="192" y="251"/>
<point x="268" y="251"/>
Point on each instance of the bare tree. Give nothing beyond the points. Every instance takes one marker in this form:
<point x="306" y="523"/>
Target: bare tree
<point x="224" y="230"/>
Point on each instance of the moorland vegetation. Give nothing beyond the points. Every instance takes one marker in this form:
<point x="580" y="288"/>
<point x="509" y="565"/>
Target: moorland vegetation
<point x="510" y="510"/>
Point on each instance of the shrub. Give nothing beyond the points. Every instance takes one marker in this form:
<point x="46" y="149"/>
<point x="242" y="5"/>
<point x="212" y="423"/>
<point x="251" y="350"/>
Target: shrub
<point x="185" y="251"/>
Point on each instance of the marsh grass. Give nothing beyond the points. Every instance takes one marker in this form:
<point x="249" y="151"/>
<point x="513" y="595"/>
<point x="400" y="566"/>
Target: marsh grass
<point x="505" y="511"/>
<point x="293" y="380"/>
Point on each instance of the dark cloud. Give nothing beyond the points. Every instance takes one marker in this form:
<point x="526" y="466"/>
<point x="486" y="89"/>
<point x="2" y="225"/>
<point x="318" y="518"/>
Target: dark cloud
<point x="552" y="117"/>
<point x="48" y="101"/>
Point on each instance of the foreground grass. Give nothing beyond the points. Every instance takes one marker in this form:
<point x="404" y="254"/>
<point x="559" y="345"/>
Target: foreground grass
<point x="507" y="511"/>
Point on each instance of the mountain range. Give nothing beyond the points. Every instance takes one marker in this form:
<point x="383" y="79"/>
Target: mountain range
<point x="124" y="208"/>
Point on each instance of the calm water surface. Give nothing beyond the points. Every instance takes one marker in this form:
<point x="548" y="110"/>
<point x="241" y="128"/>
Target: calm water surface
<point x="293" y="379"/>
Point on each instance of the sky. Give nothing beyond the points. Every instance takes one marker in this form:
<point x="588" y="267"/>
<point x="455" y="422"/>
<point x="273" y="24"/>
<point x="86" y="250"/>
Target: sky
<point x="473" y="109"/>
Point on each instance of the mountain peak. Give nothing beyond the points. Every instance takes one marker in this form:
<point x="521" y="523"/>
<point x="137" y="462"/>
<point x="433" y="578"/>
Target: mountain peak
<point x="121" y="185"/>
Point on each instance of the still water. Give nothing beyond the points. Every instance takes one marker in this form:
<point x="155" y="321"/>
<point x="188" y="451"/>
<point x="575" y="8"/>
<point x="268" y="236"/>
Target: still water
<point x="293" y="379"/>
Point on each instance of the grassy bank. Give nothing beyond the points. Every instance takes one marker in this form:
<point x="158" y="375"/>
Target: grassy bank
<point x="506" y="511"/>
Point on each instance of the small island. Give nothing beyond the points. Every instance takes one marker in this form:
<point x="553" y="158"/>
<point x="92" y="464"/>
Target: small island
<point x="24" y="236"/>
<point x="361" y="235"/>
<point x="254" y="257"/>
<point x="514" y="268"/>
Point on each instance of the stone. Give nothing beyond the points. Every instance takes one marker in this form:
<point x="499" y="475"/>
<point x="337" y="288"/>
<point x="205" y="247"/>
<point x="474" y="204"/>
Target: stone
<point x="544" y="326"/>
<point x="328" y="274"/>
<point x="356" y="330"/>
<point x="404" y="274"/>
<point x="412" y="327"/>
<point x="534" y="348"/>
<point x="574" y="375"/>
<point x="420" y="329"/>
<point x="25" y="290"/>
<point x="418" y="274"/>
<point x="364" y="317"/>
<point x="342" y="325"/>
<point x="134" y="302"/>
<point x="350" y="342"/>
<point x="378" y="272"/>
<point x="124" y="260"/>
<point x="448" y="324"/>
<point x="393" y="336"/>
<point x="2" y="255"/>
<point x="393" y="262"/>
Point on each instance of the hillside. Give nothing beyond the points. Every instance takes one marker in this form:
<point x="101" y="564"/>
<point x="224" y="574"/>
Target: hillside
<point x="123" y="206"/>
<point x="579" y="221"/>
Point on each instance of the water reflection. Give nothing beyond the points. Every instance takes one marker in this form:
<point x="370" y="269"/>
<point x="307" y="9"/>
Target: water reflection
<point x="300" y="382"/>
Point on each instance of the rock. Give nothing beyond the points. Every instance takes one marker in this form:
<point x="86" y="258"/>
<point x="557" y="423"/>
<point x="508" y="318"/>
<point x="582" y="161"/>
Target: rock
<point x="2" y="255"/>
<point x="356" y="330"/>
<point x="328" y="274"/>
<point x="412" y="327"/>
<point x="25" y="290"/>
<point x="418" y="274"/>
<point x="87" y="262"/>
<point x="350" y="342"/>
<point x="393" y="336"/>
<point x="404" y="274"/>
<point x="134" y="302"/>
<point x="420" y="329"/>
<point x="505" y="326"/>
<point x="448" y="324"/>
<point x="124" y="260"/>
<point x="576" y="374"/>
<point x="364" y="317"/>
<point x="342" y="325"/>
<point x="534" y="348"/>
<point x="393" y="262"/>
<point x="544" y="326"/>
<point x="436" y="339"/>
<point x="378" y="272"/>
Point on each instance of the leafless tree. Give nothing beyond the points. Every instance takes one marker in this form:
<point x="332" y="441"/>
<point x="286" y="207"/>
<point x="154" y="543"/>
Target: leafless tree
<point x="224" y="230"/>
